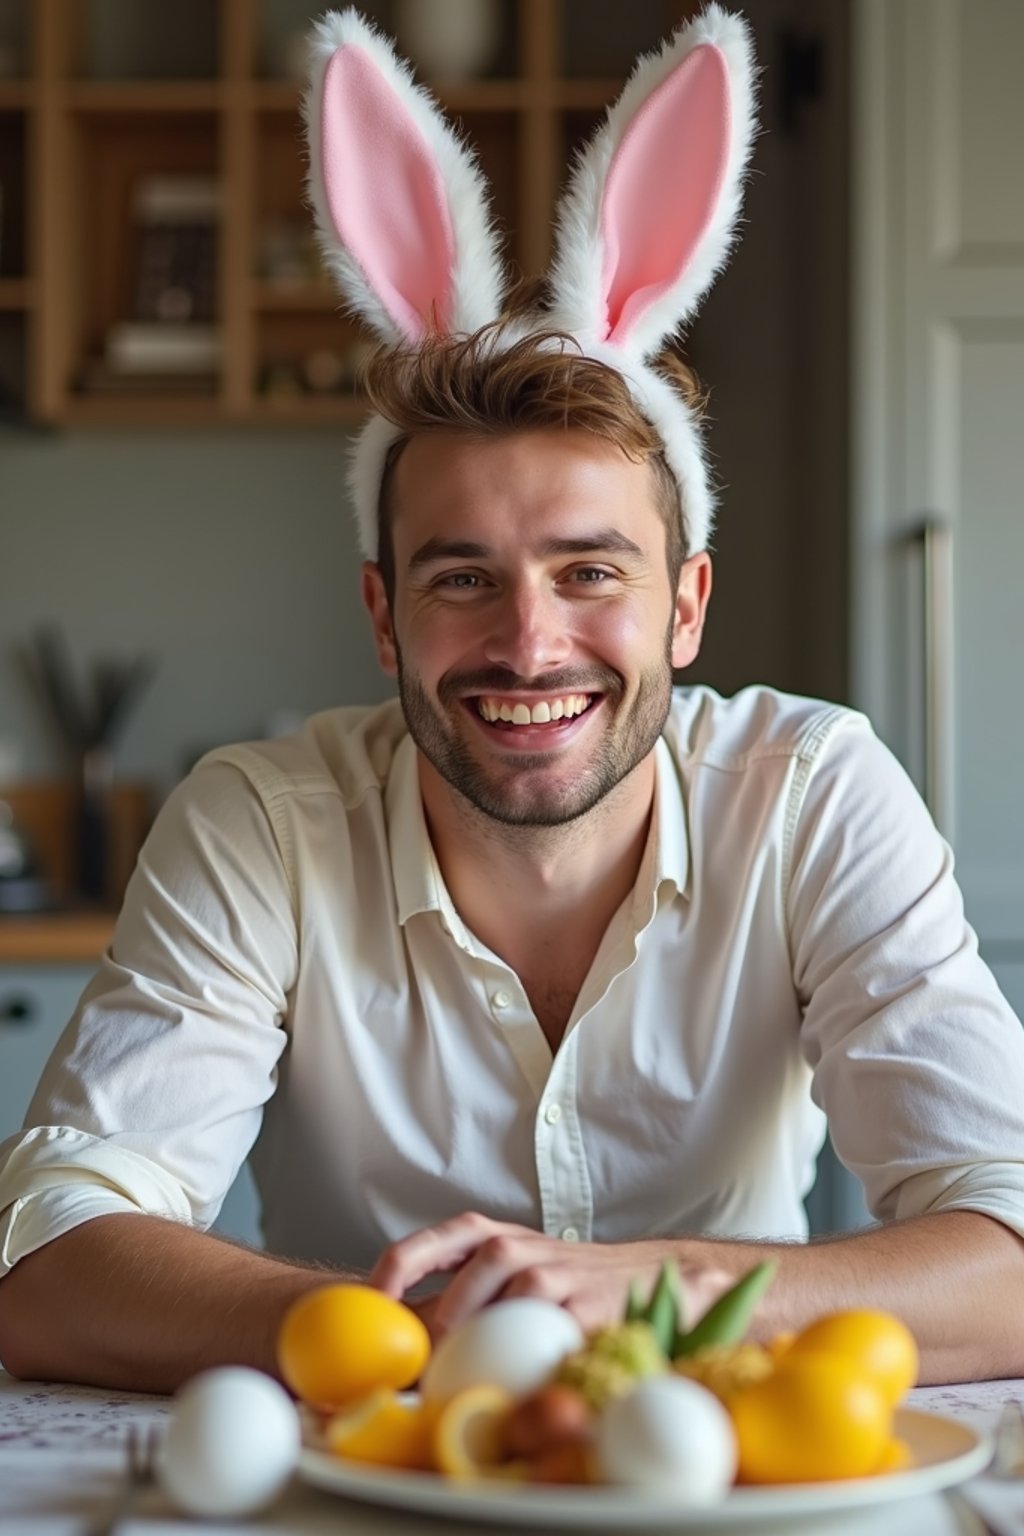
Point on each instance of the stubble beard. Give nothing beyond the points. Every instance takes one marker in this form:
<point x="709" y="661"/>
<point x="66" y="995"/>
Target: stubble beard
<point x="622" y="747"/>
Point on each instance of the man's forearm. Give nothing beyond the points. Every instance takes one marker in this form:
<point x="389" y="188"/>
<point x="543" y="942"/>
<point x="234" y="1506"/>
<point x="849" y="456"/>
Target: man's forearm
<point x="955" y="1278"/>
<point x="141" y="1303"/>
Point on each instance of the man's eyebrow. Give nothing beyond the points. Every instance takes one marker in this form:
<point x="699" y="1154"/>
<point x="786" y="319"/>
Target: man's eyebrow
<point x="448" y="549"/>
<point x="602" y="540"/>
<point x="608" y="540"/>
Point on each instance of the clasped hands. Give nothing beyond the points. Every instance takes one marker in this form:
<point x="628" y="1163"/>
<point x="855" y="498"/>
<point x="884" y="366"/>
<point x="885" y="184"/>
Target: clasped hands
<point x="495" y="1260"/>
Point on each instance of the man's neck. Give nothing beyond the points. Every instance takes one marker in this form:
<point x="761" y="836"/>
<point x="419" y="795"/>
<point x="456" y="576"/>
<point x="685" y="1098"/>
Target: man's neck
<point x="531" y="892"/>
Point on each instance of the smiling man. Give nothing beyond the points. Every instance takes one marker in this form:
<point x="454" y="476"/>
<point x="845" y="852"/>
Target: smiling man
<point x="546" y="971"/>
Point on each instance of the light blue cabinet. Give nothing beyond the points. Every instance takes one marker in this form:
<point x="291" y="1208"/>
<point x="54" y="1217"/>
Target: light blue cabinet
<point x="35" y="1004"/>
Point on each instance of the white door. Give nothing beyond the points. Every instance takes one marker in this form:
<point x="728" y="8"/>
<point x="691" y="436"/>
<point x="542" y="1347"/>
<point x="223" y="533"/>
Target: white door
<point x="938" y="335"/>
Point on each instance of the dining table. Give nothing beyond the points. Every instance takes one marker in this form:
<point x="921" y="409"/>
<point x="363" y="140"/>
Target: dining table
<point x="63" y="1460"/>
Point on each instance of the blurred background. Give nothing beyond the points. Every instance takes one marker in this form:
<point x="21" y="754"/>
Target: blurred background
<point x="177" y="388"/>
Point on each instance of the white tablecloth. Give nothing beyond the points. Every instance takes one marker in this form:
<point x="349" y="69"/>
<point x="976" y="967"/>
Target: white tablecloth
<point x="62" y="1455"/>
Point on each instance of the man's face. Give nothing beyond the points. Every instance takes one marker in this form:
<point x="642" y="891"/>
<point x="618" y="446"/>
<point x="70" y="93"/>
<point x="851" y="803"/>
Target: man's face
<point x="534" y="629"/>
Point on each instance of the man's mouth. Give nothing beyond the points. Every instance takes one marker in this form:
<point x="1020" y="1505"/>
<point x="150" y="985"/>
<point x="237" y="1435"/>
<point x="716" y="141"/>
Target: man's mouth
<point x="513" y="713"/>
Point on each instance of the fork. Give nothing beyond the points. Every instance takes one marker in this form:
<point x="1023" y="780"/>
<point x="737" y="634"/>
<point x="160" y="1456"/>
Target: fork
<point x="141" y="1447"/>
<point x="1009" y="1442"/>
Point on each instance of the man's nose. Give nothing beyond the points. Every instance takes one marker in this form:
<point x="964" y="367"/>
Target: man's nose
<point x="529" y="632"/>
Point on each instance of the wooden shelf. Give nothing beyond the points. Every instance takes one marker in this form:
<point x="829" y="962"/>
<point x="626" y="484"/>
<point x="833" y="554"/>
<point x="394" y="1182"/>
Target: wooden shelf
<point x="59" y="938"/>
<point x="16" y="293"/>
<point x="16" y="95"/>
<point x="139" y="410"/>
<point x="105" y="411"/>
<point x="147" y="98"/>
<point x="313" y="298"/>
<point x="74" y="148"/>
<point x="312" y="410"/>
<point x="584" y="95"/>
<point x="471" y="96"/>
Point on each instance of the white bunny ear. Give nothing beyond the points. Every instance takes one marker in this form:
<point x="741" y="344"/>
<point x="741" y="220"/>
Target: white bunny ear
<point x="401" y="207"/>
<point x="652" y="207"/>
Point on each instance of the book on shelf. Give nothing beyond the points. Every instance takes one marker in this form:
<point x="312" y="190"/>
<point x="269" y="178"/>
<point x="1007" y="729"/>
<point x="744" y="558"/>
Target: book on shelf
<point x="177" y="220"/>
<point x="160" y="346"/>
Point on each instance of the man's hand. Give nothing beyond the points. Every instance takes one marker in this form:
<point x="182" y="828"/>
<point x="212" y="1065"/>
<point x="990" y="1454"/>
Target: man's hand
<point x="495" y="1260"/>
<point x="952" y="1276"/>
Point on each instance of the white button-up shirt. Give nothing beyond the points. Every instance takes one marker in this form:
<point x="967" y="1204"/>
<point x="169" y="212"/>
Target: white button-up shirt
<point x="289" y="966"/>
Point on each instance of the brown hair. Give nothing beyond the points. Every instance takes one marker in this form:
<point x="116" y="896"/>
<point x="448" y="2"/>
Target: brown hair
<point x="470" y="384"/>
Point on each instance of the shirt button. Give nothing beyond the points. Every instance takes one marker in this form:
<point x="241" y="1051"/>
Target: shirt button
<point x="552" y="1115"/>
<point x="501" y="999"/>
<point x="570" y="1235"/>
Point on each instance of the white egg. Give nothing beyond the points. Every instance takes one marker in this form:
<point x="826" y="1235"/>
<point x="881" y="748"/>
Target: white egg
<point x="668" y="1435"/>
<point x="512" y="1344"/>
<point x="232" y="1443"/>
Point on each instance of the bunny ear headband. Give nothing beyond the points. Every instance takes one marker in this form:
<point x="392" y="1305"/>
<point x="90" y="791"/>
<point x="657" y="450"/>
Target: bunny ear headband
<point x="644" y="228"/>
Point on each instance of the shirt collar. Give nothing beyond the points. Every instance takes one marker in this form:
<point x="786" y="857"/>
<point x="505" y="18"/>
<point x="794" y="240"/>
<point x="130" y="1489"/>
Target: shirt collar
<point x="420" y="887"/>
<point x="666" y="858"/>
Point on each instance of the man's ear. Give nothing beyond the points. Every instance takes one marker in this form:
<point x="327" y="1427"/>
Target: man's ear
<point x="692" y="596"/>
<point x="379" y="609"/>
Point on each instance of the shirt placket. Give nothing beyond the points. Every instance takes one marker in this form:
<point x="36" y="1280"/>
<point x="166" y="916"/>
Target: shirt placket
<point x="567" y="1206"/>
<point x="562" y="1177"/>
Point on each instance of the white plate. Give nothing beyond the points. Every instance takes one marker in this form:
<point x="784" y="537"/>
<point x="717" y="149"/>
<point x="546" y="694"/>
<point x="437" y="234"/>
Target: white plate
<point x="945" y="1453"/>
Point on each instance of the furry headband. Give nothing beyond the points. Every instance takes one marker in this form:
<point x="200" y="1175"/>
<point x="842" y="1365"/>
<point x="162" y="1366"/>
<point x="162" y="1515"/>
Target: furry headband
<point x="643" y="230"/>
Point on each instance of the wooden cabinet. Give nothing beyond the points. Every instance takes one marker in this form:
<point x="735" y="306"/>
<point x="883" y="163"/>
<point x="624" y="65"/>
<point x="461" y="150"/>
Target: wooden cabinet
<point x="109" y="99"/>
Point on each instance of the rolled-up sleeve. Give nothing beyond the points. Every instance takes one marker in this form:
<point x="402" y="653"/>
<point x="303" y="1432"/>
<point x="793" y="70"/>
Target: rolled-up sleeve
<point x="154" y="1094"/>
<point x="918" y="1059"/>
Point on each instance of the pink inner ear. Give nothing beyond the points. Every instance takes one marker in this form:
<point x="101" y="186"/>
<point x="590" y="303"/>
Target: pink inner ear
<point x="386" y="195"/>
<point x="663" y="186"/>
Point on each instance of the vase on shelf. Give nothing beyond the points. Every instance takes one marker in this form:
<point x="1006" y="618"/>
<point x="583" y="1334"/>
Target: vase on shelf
<point x="96" y="792"/>
<point x="449" y="40"/>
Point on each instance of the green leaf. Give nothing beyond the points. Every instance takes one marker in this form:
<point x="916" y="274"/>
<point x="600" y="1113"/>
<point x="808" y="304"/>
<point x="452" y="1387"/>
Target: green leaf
<point x="665" y="1307"/>
<point x="730" y="1317"/>
<point x="636" y="1308"/>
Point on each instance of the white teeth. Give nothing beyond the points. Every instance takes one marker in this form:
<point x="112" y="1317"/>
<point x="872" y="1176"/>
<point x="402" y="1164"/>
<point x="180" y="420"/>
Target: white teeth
<point x="540" y="714"/>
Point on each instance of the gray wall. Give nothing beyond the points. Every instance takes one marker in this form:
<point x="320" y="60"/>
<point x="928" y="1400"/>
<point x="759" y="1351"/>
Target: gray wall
<point x="230" y="556"/>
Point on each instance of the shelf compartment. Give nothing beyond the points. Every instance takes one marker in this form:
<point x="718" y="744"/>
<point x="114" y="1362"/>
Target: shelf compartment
<point x="113" y="156"/>
<point x="147" y="40"/>
<point x="15" y="40"/>
<point x="13" y="186"/>
<point x="595" y="39"/>
<point x="13" y="366"/>
<point x="307" y="359"/>
<point x="282" y="27"/>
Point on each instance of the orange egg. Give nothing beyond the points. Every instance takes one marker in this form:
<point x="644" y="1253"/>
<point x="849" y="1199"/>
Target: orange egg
<point x="341" y="1341"/>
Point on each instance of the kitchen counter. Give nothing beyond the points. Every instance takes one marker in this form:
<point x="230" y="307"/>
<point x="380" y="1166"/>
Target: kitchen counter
<point x="55" y="938"/>
<point x="62" y="1454"/>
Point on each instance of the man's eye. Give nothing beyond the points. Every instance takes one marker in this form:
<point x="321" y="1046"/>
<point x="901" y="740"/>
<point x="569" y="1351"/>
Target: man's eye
<point x="461" y="580"/>
<point x="590" y="574"/>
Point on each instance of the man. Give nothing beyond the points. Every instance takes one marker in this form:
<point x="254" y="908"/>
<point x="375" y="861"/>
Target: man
<point x="531" y="978"/>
